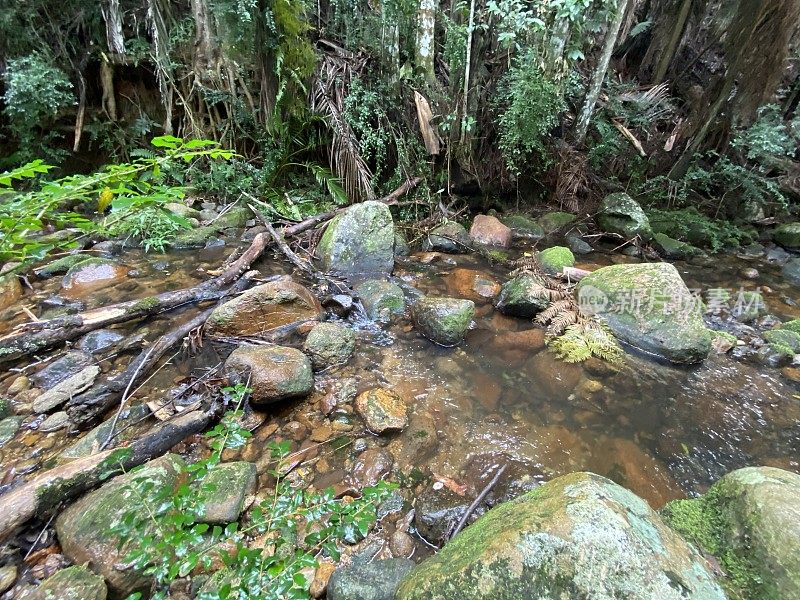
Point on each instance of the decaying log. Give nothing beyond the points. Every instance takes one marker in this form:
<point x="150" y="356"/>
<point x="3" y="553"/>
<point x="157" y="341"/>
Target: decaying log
<point x="63" y="483"/>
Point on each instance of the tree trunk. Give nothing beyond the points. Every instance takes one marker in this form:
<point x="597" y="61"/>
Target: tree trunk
<point x="672" y="44"/>
<point x="467" y="66"/>
<point x="582" y="127"/>
<point x="113" y="19"/>
<point x="425" y="38"/>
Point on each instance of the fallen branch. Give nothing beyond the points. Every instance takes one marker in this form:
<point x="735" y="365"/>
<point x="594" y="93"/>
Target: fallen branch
<point x="47" y="491"/>
<point x="477" y="501"/>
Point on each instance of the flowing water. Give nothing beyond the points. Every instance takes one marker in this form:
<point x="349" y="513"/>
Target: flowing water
<point x="661" y="430"/>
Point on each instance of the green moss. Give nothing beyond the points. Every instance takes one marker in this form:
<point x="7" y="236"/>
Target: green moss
<point x="792" y="325"/>
<point x="553" y="260"/>
<point x="728" y="337"/>
<point x="5" y="408"/>
<point x="554" y="221"/>
<point x="689" y="225"/>
<point x="783" y="341"/>
<point x="145" y="305"/>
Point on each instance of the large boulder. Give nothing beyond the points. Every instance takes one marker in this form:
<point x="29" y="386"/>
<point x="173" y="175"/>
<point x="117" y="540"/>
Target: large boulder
<point x="381" y="299"/>
<point x="621" y="214"/>
<point x="648" y="306"/>
<point x="750" y="520"/>
<point x="673" y="249"/>
<point x="85" y="528"/>
<point x="273" y="372"/>
<point x="448" y="237"/>
<point x="522" y="296"/>
<point x="489" y="231"/>
<point x="788" y="236"/>
<point x="264" y="307"/>
<point x="443" y="320"/>
<point x="73" y="583"/>
<point x="577" y="536"/>
<point x="329" y="344"/>
<point x="360" y="240"/>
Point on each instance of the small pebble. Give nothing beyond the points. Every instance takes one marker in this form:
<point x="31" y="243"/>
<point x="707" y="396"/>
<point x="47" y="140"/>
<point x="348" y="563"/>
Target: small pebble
<point x="20" y="384"/>
<point x="401" y="544"/>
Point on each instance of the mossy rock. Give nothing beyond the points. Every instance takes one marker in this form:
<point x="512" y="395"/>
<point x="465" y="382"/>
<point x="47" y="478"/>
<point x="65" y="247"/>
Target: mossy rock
<point x="621" y="214"/>
<point x="443" y="320"/>
<point x="553" y="260"/>
<point x="793" y="325"/>
<point x="381" y="299"/>
<point x="368" y="580"/>
<point x="750" y="521"/>
<point x="450" y="237"/>
<point x="524" y="226"/>
<point x="788" y="236"/>
<point x="329" y="344"/>
<point x="224" y="491"/>
<point x="783" y="341"/>
<point x="554" y="222"/>
<point x="577" y="536"/>
<point x="72" y="583"/>
<point x="649" y="307"/>
<point x="672" y="248"/>
<point x="274" y="372"/>
<point x="59" y="266"/>
<point x="520" y="297"/>
<point x="180" y="209"/>
<point x="791" y="272"/>
<point x="234" y="218"/>
<point x="359" y="240"/>
<point x="196" y="237"/>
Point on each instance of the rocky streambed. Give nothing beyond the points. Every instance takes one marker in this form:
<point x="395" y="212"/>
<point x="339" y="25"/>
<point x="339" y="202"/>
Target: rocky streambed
<point x="424" y="367"/>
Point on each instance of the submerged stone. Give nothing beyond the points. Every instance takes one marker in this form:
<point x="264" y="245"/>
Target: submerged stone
<point x="90" y="275"/>
<point x="274" y="372"/>
<point x="359" y="240"/>
<point x="577" y="536"/>
<point x="472" y="285"/>
<point x="443" y="320"/>
<point x="381" y="299"/>
<point x="329" y="344"/>
<point x="649" y="307"/>
<point x="621" y="214"/>
<point x="99" y="340"/>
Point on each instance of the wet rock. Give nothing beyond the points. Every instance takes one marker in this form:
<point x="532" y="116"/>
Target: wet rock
<point x="438" y="511"/>
<point x="668" y="322"/>
<point x="523" y="226"/>
<point x="232" y="483"/>
<point x="275" y="372"/>
<point x="329" y="344"/>
<point x="577" y="536"/>
<point x="472" y="285"/>
<point x="74" y="583"/>
<point x="196" y="237"/>
<point x="382" y="410"/>
<point x="553" y="377"/>
<point x="788" y="236"/>
<point x="778" y="256"/>
<point x="8" y="575"/>
<point x="381" y="299"/>
<point x="783" y="341"/>
<point x="419" y="439"/>
<point x="359" y="240"/>
<point x="84" y="528"/>
<point x="59" y="266"/>
<point x="54" y="422"/>
<point x="70" y="364"/>
<point x="91" y="442"/>
<point x="791" y="271"/>
<point x="671" y="248"/>
<point x="401" y="247"/>
<point x="553" y="222"/>
<point x="518" y="478"/>
<point x="182" y="210"/>
<point x="64" y="390"/>
<point x="489" y="231"/>
<point x="9" y="427"/>
<point x="450" y="237"/>
<point x="322" y="576"/>
<point x="377" y="580"/>
<point x="621" y="214"/>
<point x="90" y="275"/>
<point x="20" y="384"/>
<point x="753" y="515"/>
<point x="370" y="467"/>
<point x="578" y="245"/>
<point x="99" y="341"/>
<point x="443" y="320"/>
<point x="235" y="217"/>
<point x="10" y="290"/>
<point x="264" y="307"/>
<point x="749" y="273"/>
<point x="401" y="544"/>
<point x="553" y="260"/>
<point x="521" y="297"/>
<point x="748" y="306"/>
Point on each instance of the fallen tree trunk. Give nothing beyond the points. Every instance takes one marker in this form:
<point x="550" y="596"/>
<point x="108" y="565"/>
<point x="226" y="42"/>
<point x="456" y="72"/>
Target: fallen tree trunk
<point x="47" y="491"/>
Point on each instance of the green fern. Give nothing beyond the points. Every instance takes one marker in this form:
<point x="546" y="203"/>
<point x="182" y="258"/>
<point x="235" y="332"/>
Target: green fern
<point x="585" y="339"/>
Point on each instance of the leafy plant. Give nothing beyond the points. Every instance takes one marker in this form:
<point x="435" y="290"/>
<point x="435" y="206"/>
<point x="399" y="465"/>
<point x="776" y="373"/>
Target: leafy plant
<point x="294" y="527"/>
<point x="155" y="227"/>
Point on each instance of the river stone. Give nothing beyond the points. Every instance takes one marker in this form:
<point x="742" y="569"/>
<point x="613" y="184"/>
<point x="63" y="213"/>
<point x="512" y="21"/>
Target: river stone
<point x="555" y="221"/>
<point x="577" y="536"/>
<point x="99" y="340"/>
<point x="783" y="341"/>
<point x="274" y="372"/>
<point x="672" y="248"/>
<point x="578" y="245"/>
<point x="648" y="306"/>
<point x="64" y="390"/>
<point x="232" y="483"/>
<point x="91" y="442"/>
<point x="553" y="260"/>
<point x="401" y="247"/>
<point x="59" y="266"/>
<point x="196" y="237"/>
<point x="72" y="583"/>
<point x="489" y="231"/>
<point x="791" y="271"/>
<point x="90" y="275"/>
<point x="437" y="511"/>
<point x="83" y="529"/>
<point x="359" y="240"/>
<point x="382" y="410"/>
<point x="180" y="209"/>
<point x="788" y="236"/>
<point x="521" y="297"/>
<point x="381" y="299"/>
<point x="54" y="422"/>
<point x="264" y="307"/>
<point x="748" y="306"/>
<point x="450" y="237"/>
<point x="329" y="344"/>
<point x="621" y="214"/>
<point x="363" y="580"/>
<point x="233" y="218"/>
<point x="472" y="284"/>
<point x="443" y="320"/>
<point x="10" y="290"/>
<point x="370" y="467"/>
<point x="70" y="364"/>
<point x="523" y="226"/>
<point x="9" y="427"/>
<point x="751" y="520"/>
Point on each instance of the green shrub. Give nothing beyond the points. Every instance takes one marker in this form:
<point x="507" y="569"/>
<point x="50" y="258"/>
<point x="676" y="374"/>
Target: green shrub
<point x="690" y="225"/>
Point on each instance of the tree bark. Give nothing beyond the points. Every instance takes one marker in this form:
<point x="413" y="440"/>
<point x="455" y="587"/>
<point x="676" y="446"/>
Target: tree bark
<point x="582" y="126"/>
<point x="668" y="52"/>
<point x="425" y="38"/>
